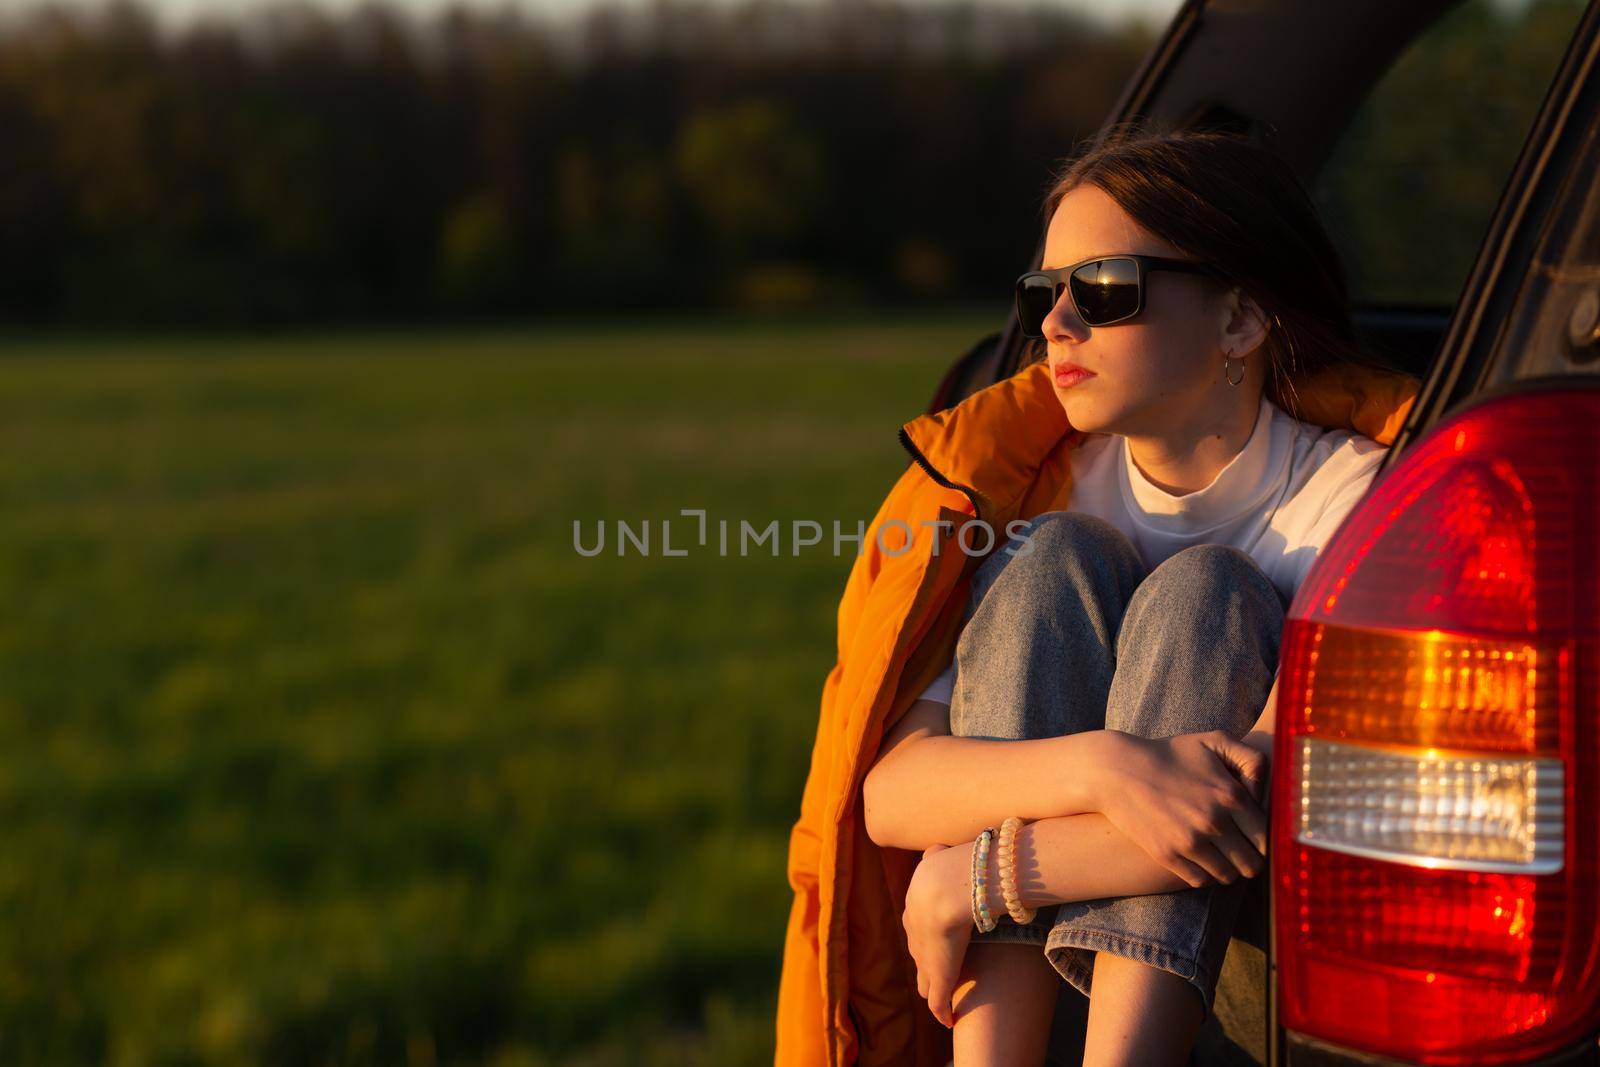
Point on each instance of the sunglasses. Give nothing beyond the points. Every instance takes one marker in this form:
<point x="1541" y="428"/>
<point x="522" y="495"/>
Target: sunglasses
<point x="1104" y="289"/>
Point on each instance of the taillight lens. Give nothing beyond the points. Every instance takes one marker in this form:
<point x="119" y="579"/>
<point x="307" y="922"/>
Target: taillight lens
<point x="1435" y="844"/>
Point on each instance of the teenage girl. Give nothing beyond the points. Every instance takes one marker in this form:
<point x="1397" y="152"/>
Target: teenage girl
<point x="1127" y="646"/>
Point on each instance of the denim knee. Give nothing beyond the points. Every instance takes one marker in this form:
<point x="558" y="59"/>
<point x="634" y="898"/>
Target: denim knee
<point x="1052" y="547"/>
<point x="1035" y="657"/>
<point x="1202" y="576"/>
<point x="1059" y="533"/>
<point x="1198" y="645"/>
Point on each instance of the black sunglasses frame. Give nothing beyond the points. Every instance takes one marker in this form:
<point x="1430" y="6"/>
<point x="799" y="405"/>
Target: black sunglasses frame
<point x="1061" y="278"/>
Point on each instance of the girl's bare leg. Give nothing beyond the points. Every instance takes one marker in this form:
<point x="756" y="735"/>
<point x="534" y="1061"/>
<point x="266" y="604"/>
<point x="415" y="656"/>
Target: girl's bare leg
<point x="1003" y="1005"/>
<point x="1139" y="1014"/>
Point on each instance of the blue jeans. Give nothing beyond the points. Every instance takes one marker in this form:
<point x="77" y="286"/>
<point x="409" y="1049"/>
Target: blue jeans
<point x="1074" y="634"/>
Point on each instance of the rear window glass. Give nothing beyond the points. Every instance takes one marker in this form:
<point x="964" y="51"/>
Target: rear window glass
<point x="1410" y="187"/>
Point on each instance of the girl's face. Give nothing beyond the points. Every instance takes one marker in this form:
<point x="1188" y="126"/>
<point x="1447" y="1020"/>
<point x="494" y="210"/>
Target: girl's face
<point x="1155" y="372"/>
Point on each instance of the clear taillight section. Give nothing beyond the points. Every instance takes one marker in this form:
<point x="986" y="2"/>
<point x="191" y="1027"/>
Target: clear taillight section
<point x="1473" y="812"/>
<point x="1435" y="838"/>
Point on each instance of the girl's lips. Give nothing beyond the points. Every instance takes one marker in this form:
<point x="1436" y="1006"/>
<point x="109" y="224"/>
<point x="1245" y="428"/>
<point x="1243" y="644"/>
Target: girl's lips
<point x="1066" y="376"/>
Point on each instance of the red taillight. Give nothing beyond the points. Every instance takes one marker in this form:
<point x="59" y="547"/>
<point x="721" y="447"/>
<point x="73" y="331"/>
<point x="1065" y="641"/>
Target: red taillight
<point x="1436" y="846"/>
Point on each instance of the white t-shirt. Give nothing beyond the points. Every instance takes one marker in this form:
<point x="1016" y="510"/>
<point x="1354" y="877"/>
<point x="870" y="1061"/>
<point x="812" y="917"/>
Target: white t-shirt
<point x="1278" y="500"/>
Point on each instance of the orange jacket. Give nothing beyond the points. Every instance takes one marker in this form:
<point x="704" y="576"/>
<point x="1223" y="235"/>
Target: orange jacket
<point x="848" y="992"/>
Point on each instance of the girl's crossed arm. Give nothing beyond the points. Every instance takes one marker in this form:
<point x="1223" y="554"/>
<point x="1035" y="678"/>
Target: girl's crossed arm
<point x="1154" y="815"/>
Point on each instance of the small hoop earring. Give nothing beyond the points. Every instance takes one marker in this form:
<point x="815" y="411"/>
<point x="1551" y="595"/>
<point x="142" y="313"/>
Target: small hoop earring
<point x="1228" y="373"/>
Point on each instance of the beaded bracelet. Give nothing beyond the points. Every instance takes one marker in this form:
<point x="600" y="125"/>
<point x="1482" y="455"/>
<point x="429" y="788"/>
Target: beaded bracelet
<point x="980" y="882"/>
<point x="977" y="920"/>
<point x="1008" y="873"/>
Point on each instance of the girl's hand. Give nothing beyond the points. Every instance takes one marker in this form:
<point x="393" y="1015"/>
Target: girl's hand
<point x="1190" y="801"/>
<point x="938" y="922"/>
<point x="1261" y="741"/>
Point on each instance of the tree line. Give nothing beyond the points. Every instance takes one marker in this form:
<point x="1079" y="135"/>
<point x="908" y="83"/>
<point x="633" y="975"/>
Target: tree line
<point x="301" y="166"/>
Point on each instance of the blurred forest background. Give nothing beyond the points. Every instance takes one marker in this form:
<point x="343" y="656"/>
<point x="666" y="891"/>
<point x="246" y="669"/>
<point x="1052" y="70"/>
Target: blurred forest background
<point x="319" y="742"/>
<point x="300" y="166"/>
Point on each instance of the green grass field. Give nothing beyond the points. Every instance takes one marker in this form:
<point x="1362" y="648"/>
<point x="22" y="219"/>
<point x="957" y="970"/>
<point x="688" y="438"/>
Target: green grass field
<point x="323" y="745"/>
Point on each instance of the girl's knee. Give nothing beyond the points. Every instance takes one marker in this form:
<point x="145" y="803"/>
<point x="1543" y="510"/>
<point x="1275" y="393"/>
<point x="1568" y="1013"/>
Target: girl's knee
<point x="1055" y="534"/>
<point x="1208" y="563"/>
<point x="1197" y="646"/>
<point x="1054" y="557"/>
<point x="1063" y="543"/>
<point x="1203" y="576"/>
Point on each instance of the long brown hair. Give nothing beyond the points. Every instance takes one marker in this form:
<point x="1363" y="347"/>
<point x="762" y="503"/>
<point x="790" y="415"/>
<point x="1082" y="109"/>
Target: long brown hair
<point x="1238" y="205"/>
